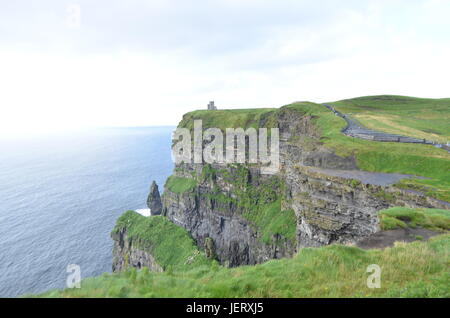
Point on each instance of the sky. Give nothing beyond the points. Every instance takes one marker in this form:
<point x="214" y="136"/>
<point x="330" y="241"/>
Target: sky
<point x="67" y="65"/>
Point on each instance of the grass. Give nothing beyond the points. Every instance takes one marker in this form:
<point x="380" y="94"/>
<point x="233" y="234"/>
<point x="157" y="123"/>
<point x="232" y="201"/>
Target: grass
<point x="415" y="117"/>
<point x="171" y="245"/>
<point x="401" y="217"/>
<point x="229" y="118"/>
<point x="419" y="269"/>
<point x="180" y="184"/>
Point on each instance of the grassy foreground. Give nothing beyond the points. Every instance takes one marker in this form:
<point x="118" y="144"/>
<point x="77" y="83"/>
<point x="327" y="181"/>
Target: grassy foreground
<point x="419" y="269"/>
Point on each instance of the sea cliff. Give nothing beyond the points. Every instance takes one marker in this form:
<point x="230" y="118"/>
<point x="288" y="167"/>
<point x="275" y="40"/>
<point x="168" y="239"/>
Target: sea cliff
<point x="239" y="216"/>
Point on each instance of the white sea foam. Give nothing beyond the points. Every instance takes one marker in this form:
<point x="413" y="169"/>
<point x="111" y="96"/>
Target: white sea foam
<point x="144" y="212"/>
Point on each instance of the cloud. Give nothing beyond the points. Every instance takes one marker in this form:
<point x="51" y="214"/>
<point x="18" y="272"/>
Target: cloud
<point x="148" y="62"/>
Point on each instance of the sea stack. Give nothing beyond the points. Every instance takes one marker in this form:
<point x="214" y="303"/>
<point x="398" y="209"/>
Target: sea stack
<point x="154" y="200"/>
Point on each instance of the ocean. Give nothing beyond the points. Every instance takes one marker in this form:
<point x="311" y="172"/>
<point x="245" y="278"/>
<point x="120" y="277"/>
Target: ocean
<point x="60" y="197"/>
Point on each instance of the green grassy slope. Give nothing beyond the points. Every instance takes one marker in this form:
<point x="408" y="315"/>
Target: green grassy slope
<point x="397" y="217"/>
<point x="418" y="269"/>
<point x="415" y="117"/>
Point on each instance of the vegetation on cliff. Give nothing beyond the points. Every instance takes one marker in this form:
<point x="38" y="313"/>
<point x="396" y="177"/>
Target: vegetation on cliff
<point x="180" y="185"/>
<point x="170" y="245"/>
<point x="401" y="217"/>
<point x="258" y="201"/>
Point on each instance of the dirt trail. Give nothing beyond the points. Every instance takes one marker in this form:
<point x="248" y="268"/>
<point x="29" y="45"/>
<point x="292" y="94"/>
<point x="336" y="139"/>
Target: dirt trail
<point x="385" y="239"/>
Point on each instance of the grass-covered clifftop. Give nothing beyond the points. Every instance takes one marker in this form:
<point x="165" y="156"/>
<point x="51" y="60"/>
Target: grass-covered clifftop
<point x="228" y="118"/>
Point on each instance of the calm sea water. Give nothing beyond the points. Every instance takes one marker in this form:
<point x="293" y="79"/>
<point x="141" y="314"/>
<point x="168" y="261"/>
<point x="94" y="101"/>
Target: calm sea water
<point x="60" y="198"/>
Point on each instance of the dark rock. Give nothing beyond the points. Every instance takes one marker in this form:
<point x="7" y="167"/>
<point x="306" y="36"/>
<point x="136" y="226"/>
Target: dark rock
<point x="154" y="200"/>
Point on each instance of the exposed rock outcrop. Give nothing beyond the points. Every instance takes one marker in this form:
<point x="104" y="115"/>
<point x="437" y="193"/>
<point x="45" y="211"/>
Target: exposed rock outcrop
<point x="154" y="200"/>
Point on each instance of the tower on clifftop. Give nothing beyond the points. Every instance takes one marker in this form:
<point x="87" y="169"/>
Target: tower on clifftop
<point x="211" y="106"/>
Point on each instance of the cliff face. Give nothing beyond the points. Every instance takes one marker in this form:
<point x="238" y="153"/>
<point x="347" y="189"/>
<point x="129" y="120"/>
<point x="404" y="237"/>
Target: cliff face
<point x="217" y="210"/>
<point x="239" y="216"/>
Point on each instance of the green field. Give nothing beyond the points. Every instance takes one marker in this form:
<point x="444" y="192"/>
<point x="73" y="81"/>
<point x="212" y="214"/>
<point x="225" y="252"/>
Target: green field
<point x="409" y="116"/>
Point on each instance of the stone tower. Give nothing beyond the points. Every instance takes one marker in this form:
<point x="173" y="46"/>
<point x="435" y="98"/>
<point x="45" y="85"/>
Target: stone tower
<point x="211" y="106"/>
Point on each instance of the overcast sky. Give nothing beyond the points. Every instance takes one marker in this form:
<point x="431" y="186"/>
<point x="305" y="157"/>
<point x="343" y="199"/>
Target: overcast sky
<point x="146" y="62"/>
